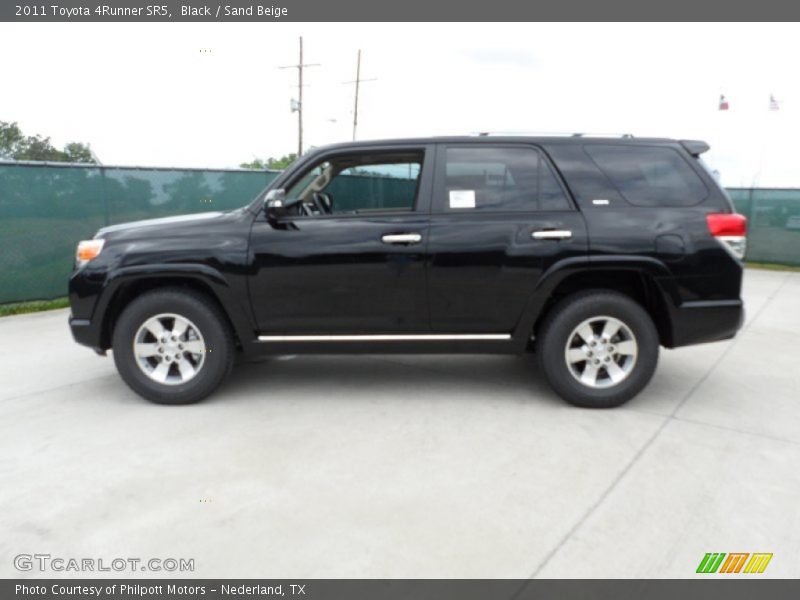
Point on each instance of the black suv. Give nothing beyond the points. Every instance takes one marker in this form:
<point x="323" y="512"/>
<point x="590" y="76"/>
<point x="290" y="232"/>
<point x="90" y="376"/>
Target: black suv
<point x="590" y="252"/>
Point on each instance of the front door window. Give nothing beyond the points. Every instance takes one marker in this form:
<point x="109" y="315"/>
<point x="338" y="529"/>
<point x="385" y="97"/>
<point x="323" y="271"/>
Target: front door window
<point x="355" y="185"/>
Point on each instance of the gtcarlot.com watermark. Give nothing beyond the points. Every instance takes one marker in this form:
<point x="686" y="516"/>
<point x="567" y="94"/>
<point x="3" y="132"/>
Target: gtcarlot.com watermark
<point x="45" y="563"/>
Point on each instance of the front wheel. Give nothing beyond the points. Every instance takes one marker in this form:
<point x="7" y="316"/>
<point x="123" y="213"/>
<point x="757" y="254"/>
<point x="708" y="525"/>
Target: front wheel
<point x="598" y="349"/>
<point x="173" y="346"/>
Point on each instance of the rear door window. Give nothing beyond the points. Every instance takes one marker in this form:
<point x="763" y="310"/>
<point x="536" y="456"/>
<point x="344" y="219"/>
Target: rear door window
<point x="649" y="175"/>
<point x="481" y="178"/>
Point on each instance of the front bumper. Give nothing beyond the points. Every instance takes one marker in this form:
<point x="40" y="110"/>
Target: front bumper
<point x="86" y="290"/>
<point x="86" y="333"/>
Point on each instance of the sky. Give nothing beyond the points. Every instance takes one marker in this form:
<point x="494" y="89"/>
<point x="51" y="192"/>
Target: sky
<point x="213" y="95"/>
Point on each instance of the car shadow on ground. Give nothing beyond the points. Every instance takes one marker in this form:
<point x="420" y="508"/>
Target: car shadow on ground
<point x="467" y="377"/>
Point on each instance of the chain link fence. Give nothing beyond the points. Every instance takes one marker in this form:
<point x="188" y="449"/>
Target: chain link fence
<point x="46" y="208"/>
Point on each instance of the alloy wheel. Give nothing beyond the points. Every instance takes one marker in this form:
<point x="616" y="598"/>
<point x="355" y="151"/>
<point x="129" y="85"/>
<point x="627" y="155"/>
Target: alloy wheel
<point x="601" y="352"/>
<point x="169" y="349"/>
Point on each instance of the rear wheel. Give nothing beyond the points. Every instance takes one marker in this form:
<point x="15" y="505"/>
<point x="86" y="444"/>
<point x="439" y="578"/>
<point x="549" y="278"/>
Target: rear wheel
<point x="598" y="349"/>
<point x="173" y="346"/>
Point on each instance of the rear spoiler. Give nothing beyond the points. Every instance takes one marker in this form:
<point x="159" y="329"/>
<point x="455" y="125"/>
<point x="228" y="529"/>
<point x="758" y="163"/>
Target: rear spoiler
<point x="695" y="147"/>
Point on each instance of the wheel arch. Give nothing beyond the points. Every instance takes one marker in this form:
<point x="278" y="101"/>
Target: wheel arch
<point x="645" y="280"/>
<point x="124" y="285"/>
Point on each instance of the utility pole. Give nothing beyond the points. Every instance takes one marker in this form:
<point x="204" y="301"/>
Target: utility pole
<point x="299" y="107"/>
<point x="357" y="81"/>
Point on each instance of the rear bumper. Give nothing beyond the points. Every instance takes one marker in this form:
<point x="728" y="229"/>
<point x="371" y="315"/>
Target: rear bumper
<point x="706" y="321"/>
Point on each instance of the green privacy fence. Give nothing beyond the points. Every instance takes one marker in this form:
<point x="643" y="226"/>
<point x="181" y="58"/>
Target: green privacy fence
<point x="46" y="208"/>
<point x="355" y="191"/>
<point x="773" y="223"/>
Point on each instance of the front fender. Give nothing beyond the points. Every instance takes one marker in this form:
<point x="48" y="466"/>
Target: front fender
<point x="229" y="299"/>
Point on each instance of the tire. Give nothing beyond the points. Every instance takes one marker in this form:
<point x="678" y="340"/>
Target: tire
<point x="183" y="371"/>
<point x="582" y="368"/>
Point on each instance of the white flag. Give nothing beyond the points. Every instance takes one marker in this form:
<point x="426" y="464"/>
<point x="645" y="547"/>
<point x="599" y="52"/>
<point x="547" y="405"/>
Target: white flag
<point x="773" y="104"/>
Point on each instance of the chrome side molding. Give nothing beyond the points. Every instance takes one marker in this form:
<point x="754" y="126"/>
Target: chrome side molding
<point x="403" y="337"/>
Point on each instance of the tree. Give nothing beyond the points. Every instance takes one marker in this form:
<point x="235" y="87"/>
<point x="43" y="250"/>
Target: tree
<point x="79" y="153"/>
<point x="10" y="138"/>
<point x="270" y="163"/>
<point x="14" y="145"/>
<point x="10" y="135"/>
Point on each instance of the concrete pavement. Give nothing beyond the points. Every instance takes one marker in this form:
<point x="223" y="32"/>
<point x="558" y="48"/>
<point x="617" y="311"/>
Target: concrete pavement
<point x="408" y="466"/>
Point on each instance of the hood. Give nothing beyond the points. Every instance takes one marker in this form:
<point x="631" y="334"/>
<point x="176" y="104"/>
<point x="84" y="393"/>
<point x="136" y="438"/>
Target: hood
<point x="164" y="222"/>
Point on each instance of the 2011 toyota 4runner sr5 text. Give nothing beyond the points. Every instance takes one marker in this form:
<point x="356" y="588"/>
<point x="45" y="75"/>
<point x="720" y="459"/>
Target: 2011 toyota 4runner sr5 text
<point x="590" y="252"/>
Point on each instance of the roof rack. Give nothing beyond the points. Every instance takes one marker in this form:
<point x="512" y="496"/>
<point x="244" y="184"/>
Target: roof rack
<point x="551" y="134"/>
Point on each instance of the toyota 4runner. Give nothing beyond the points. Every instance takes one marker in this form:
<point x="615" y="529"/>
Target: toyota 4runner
<point x="590" y="252"/>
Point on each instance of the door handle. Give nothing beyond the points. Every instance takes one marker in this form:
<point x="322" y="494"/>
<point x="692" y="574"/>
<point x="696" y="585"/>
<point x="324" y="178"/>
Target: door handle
<point x="552" y="234"/>
<point x="401" y="238"/>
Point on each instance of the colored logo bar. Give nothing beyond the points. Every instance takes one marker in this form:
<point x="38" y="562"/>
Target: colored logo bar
<point x="734" y="562"/>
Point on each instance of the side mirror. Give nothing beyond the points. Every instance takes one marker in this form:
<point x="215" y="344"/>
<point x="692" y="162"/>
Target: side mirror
<point x="275" y="204"/>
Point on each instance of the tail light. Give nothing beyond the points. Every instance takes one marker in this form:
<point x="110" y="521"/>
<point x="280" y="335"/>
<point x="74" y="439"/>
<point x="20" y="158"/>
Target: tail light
<point x="730" y="229"/>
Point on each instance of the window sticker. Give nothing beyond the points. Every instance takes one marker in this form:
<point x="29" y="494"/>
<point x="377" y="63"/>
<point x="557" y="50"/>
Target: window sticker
<point x="462" y="198"/>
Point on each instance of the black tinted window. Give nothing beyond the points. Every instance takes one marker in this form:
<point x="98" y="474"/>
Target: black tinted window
<point x="501" y="179"/>
<point x="649" y="176"/>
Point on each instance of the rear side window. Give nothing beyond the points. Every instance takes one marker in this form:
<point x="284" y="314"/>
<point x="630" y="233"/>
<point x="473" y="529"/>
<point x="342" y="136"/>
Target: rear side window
<point x="501" y="179"/>
<point x="648" y="175"/>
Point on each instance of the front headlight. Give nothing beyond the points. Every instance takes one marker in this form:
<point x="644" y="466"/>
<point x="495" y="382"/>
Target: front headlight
<point x="88" y="250"/>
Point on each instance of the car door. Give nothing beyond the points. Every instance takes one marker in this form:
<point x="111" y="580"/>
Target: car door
<point x="500" y="218"/>
<point x="349" y="258"/>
